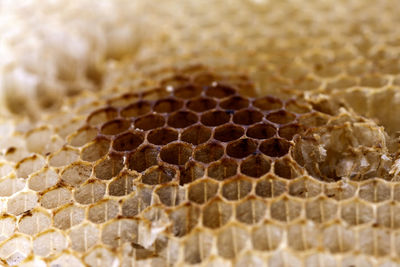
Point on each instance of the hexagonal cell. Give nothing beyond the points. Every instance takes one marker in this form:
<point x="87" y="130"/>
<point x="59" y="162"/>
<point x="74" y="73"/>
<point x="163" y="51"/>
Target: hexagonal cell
<point x="228" y="132"/>
<point x="236" y="189"/>
<point x="182" y="119"/>
<point x="155" y="94"/>
<point x="247" y="117"/>
<point x="38" y="140"/>
<point x="388" y="215"/>
<point x="120" y="231"/>
<point x="15" y="250"/>
<point x="49" y="243"/>
<point x="220" y="91"/>
<point x="201" y="104"/>
<point x="290" y="130"/>
<point x="374" y="241"/>
<point x="103" y="211"/>
<point x="261" y="131"/>
<point x="158" y="175"/>
<point x="143" y="158"/>
<point x="321" y="210"/>
<point x="191" y="172"/>
<point x="275" y="147"/>
<point x="176" y="153"/>
<point x="162" y="136"/>
<point x="339" y="190"/>
<point x="63" y="157"/>
<point x="44" y="179"/>
<point x="10" y="186"/>
<point x="123" y="100"/>
<point x="281" y="117"/>
<point x="115" y="127"/>
<point x="295" y="107"/>
<point x="215" y="118"/>
<point x="209" y="152"/>
<point x="302" y="237"/>
<point x="101" y="116"/>
<point x="205" y="78"/>
<point x="55" y="198"/>
<point x="95" y="150"/>
<point x="328" y="260"/>
<point x="109" y="167"/>
<point x="216" y="214"/>
<point x="128" y="141"/>
<point x="34" y="222"/>
<point x="82" y="136"/>
<point x="136" y="109"/>
<point x="356" y="212"/>
<point x="149" y="122"/>
<point x="167" y="105"/>
<point x="361" y="260"/>
<point x="234" y="103"/>
<point x="269" y="187"/>
<point x="197" y="247"/>
<point x="188" y="91"/>
<point x="285" y="209"/>
<point x="76" y="173"/>
<point x="184" y="219"/>
<point x="241" y="148"/>
<point x="202" y="191"/>
<point x="375" y="191"/>
<point x="68" y="216"/>
<point x="250" y="211"/>
<point x="231" y="241"/>
<point x="266" y="237"/>
<point x="122" y="185"/>
<point x="21" y="202"/>
<point x="255" y="165"/>
<point x="338" y="239"/>
<point x="305" y="187"/>
<point x="222" y="169"/>
<point x="196" y="134"/>
<point x="83" y="237"/>
<point x="7" y="226"/>
<point x="90" y="192"/>
<point x="170" y="195"/>
<point x="268" y="103"/>
<point x="175" y="80"/>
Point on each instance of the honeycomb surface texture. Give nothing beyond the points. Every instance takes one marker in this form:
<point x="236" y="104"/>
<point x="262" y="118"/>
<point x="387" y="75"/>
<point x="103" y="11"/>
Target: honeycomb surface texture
<point x="241" y="133"/>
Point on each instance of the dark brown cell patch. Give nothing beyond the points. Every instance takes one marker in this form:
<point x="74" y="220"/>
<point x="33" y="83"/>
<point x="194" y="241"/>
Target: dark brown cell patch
<point x="109" y="168"/>
<point x="201" y="104"/>
<point x="241" y="148"/>
<point x="288" y="131"/>
<point x="188" y="91"/>
<point x="96" y="150"/>
<point x="128" y="141"/>
<point x="220" y="91"/>
<point x="209" y="152"/>
<point x="255" y="166"/>
<point x="115" y="127"/>
<point x="167" y="105"/>
<point x="281" y="117"/>
<point x="176" y="153"/>
<point x="182" y="119"/>
<point x="137" y="109"/>
<point x="101" y="116"/>
<point x="191" y="172"/>
<point x="162" y="136"/>
<point x="158" y="175"/>
<point x="268" y="103"/>
<point x="228" y="132"/>
<point x="234" y="103"/>
<point x="261" y="131"/>
<point x="222" y="169"/>
<point x="143" y="158"/>
<point x="247" y="117"/>
<point x="215" y="118"/>
<point x="275" y="147"/>
<point x="196" y="134"/>
<point x="149" y="122"/>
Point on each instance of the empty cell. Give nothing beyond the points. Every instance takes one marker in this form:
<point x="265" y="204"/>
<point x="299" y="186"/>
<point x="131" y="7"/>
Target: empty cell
<point x="76" y="173"/>
<point x="241" y="148"/>
<point x="268" y="103"/>
<point x="44" y="179"/>
<point x="202" y="191"/>
<point x="68" y="216"/>
<point x="234" y="103"/>
<point x="49" y="243"/>
<point x="132" y="206"/>
<point x="155" y="94"/>
<point x="63" y="157"/>
<point x="90" y="193"/>
<point x="34" y="223"/>
<point x="261" y="131"/>
<point x="295" y="107"/>
<point x="374" y="241"/>
<point x="197" y="247"/>
<point x="247" y="117"/>
<point x="121" y="186"/>
<point x="222" y="169"/>
<point x="191" y="172"/>
<point x="84" y="237"/>
<point x="115" y="127"/>
<point x="228" y="132"/>
<point x="285" y="210"/>
<point x="201" y="104"/>
<point x="167" y="105"/>
<point x="255" y="166"/>
<point x="231" y="241"/>
<point x="175" y="80"/>
<point x="184" y="219"/>
<point x="302" y="237"/>
<point x="250" y="211"/>
<point x="10" y="186"/>
<point x="101" y="116"/>
<point x="182" y="119"/>
<point x="109" y="167"/>
<point x="7" y="226"/>
<point x="266" y="237"/>
<point x="220" y="91"/>
<point x="339" y="190"/>
<point x="270" y="187"/>
<point x="275" y="147"/>
<point x="374" y="191"/>
<point x="162" y="136"/>
<point x="236" y="189"/>
<point x="123" y="100"/>
<point x="95" y="150"/>
<point x="82" y="136"/>
<point x="338" y="239"/>
<point x="56" y="198"/>
<point x="149" y="122"/>
<point x="209" y="152"/>
<point x="305" y="187"/>
<point x="103" y="211"/>
<point x="128" y="141"/>
<point x="21" y="202"/>
<point x="29" y="165"/>
<point x="143" y="158"/>
<point x="99" y="257"/>
<point x="176" y="153"/>
<point x="120" y="231"/>
<point x="288" y="131"/>
<point x="281" y="117"/>
<point x="216" y="214"/>
<point x="215" y="118"/>
<point x="137" y="109"/>
<point x="188" y="91"/>
<point x="158" y="175"/>
<point x="196" y="134"/>
<point x="356" y="213"/>
<point x="205" y="78"/>
<point x="285" y="168"/>
<point x="170" y="195"/>
<point x="388" y="215"/>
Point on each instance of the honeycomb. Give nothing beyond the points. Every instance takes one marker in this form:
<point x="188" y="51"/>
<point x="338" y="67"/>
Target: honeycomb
<point x="208" y="149"/>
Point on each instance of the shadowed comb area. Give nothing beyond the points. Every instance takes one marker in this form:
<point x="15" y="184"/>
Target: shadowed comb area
<point x="198" y="171"/>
